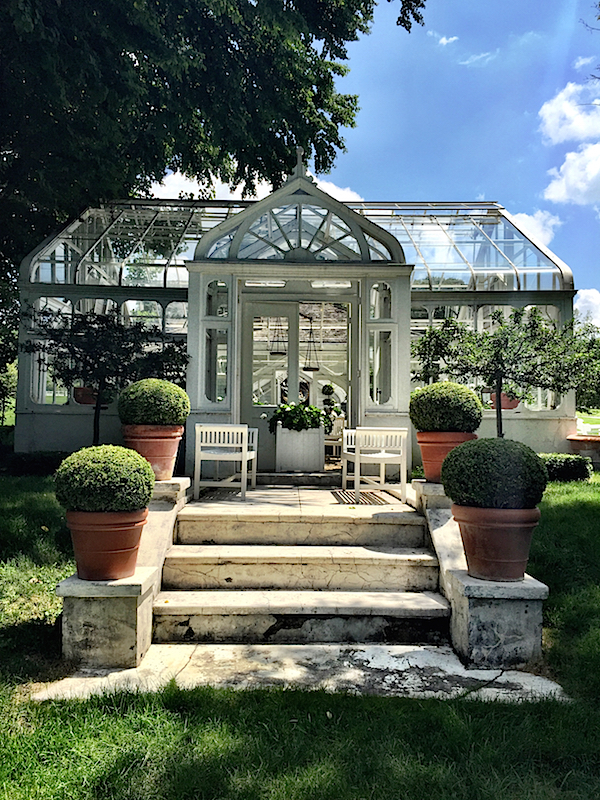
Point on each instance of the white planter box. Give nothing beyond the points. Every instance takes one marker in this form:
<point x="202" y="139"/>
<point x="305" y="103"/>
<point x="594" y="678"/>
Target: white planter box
<point x="299" y="451"/>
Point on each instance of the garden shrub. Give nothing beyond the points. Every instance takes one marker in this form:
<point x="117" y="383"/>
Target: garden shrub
<point x="445" y="406"/>
<point x="494" y="473"/>
<point x="104" y="478"/>
<point x="567" y="467"/>
<point x="300" y="417"/>
<point x="153" y="402"/>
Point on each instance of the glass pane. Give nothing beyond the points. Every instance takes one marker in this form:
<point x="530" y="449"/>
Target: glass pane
<point x="215" y="382"/>
<point x="380" y="306"/>
<point x="270" y="360"/>
<point x="96" y="305"/>
<point x="176" y="318"/>
<point x="217" y="294"/>
<point x="147" y="311"/>
<point x="380" y="366"/>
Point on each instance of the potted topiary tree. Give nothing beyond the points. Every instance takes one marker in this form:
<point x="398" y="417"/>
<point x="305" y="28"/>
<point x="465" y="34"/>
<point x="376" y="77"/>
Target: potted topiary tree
<point x="105" y="491"/>
<point x="495" y="486"/>
<point x="153" y="413"/>
<point x="445" y="414"/>
<point x="300" y="437"/>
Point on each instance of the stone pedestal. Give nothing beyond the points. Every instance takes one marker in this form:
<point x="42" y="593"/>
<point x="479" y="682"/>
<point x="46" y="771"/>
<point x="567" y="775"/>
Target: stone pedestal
<point x="108" y="623"/>
<point x="496" y="625"/>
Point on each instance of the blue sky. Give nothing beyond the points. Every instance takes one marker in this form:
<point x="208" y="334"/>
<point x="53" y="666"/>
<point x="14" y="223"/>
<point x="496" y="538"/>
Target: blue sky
<point x="488" y="101"/>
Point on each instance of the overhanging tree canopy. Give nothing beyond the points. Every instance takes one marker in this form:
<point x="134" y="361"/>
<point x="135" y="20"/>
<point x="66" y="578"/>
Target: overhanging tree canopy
<point x="99" y="99"/>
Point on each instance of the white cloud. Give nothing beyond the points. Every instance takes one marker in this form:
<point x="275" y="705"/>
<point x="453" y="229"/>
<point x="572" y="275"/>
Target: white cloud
<point x="582" y="62"/>
<point x="572" y="115"/>
<point x="175" y="184"/>
<point x="480" y="60"/>
<point x="578" y="179"/>
<point x="345" y="194"/>
<point x="442" y="40"/>
<point x="539" y="225"/>
<point x="587" y="303"/>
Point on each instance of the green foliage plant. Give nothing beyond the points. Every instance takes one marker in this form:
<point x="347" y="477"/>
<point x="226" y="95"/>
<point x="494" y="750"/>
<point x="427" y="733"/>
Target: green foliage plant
<point x="153" y="401"/>
<point x="566" y="467"/>
<point x="445" y="406"/>
<point x="104" y="478"/>
<point x="494" y="473"/>
<point x="300" y="417"/>
<point x="522" y="351"/>
<point x="8" y="388"/>
<point x="104" y="353"/>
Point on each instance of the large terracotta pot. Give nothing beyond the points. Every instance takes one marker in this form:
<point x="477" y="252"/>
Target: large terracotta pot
<point x="157" y="443"/>
<point x="505" y="401"/>
<point x="496" y="540"/>
<point x="106" y="543"/>
<point x="435" y="446"/>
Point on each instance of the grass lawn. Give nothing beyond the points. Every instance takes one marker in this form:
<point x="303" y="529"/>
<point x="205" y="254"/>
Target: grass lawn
<point x="592" y="418"/>
<point x="264" y="745"/>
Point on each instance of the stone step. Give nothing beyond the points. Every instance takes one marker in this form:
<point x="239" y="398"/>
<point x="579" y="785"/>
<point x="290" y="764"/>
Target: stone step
<point x="299" y="567"/>
<point x="357" y="526"/>
<point x="300" y="616"/>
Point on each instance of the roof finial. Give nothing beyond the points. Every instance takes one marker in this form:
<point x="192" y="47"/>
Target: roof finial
<point x="300" y="171"/>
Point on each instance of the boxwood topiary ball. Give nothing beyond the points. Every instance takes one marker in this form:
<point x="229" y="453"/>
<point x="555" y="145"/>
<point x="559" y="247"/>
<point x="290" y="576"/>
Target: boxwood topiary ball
<point x="153" y="401"/>
<point x="494" y="473"/>
<point x="104" y="478"/>
<point x="445" y="406"/>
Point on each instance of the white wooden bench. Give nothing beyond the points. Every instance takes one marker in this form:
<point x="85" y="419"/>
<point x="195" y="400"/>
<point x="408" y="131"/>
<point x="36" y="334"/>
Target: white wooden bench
<point x="368" y="446"/>
<point x="228" y="443"/>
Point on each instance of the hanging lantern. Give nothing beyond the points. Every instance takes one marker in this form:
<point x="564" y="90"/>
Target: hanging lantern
<point x="311" y="360"/>
<point x="278" y="345"/>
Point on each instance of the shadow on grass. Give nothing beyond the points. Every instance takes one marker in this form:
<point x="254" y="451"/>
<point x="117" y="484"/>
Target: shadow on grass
<point x="288" y="744"/>
<point x="30" y="652"/>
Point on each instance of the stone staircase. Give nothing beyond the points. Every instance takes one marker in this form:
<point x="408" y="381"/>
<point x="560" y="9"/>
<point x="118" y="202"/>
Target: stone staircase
<point x="263" y="571"/>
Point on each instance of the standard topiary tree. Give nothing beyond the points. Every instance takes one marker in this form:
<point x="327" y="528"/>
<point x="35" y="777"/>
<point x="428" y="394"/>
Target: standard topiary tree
<point x="104" y="478"/>
<point x="445" y="406"/>
<point x="153" y="402"/>
<point x="494" y="473"/>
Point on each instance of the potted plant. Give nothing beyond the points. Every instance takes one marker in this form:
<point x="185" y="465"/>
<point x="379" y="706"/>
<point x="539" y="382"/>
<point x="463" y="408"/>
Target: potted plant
<point x="153" y="413"/>
<point x="445" y="414"/>
<point x="105" y="491"/>
<point x="495" y="486"/>
<point x="300" y="437"/>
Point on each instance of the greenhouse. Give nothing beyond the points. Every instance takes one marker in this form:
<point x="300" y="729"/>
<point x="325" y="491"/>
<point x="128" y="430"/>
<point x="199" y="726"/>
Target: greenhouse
<point x="281" y="297"/>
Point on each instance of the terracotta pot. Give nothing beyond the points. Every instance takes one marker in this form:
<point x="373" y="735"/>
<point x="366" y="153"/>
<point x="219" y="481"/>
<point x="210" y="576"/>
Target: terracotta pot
<point x="505" y="401"/>
<point x="84" y="396"/>
<point x="106" y="543"/>
<point x="157" y="443"/>
<point x="496" y="540"/>
<point x="435" y="446"/>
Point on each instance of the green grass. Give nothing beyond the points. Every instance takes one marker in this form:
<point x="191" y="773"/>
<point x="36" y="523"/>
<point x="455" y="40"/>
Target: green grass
<point x="593" y="418"/>
<point x="205" y="744"/>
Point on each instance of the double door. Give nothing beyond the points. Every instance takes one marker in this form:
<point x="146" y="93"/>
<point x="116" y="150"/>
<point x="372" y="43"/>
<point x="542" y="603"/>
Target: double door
<point x="290" y="351"/>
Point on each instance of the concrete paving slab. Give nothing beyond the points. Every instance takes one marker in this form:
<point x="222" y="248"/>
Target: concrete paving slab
<point x="389" y="670"/>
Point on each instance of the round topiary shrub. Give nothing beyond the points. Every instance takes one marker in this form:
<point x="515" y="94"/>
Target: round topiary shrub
<point x="104" y="478"/>
<point x="494" y="473"/>
<point x="153" y="402"/>
<point x="445" y="406"/>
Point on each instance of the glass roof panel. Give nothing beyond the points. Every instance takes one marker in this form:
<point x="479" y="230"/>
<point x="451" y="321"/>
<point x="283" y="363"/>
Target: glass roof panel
<point x="142" y="242"/>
